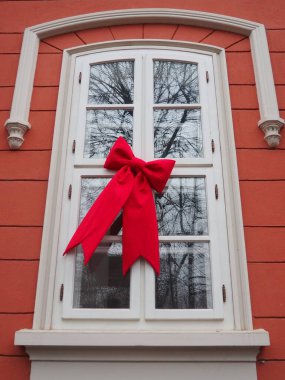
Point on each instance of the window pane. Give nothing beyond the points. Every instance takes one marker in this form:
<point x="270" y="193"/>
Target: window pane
<point x="101" y="284"/>
<point x="178" y="133"/>
<point x="182" y="208"/>
<point x="111" y="83"/>
<point x="185" y="278"/>
<point x="103" y="127"/>
<point x="90" y="190"/>
<point x="175" y="82"/>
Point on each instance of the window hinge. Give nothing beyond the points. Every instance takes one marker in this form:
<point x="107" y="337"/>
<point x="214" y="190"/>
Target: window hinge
<point x="69" y="191"/>
<point x="216" y="191"/>
<point x="207" y="76"/>
<point x="73" y="146"/>
<point x="80" y="77"/>
<point x="213" y="146"/>
<point x="224" y="293"/>
<point x="61" y="291"/>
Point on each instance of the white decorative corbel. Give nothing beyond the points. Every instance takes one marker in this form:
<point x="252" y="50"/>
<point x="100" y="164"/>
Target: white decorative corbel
<point x="16" y="131"/>
<point x="271" y="129"/>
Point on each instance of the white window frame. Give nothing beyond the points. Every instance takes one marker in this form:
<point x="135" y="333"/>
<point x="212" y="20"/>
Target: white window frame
<point x="47" y="288"/>
<point x="210" y="319"/>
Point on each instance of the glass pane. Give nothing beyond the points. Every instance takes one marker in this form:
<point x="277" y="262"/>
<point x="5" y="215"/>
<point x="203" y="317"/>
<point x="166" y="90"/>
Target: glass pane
<point x="178" y="133"/>
<point x="175" y="82"/>
<point x="185" y="278"/>
<point x="103" y="127"/>
<point x="111" y="83"/>
<point x="101" y="284"/>
<point x="90" y="190"/>
<point x="182" y="207"/>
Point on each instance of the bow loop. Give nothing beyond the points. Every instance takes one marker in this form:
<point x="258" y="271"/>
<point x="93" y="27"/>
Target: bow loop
<point x="120" y="155"/>
<point x="157" y="172"/>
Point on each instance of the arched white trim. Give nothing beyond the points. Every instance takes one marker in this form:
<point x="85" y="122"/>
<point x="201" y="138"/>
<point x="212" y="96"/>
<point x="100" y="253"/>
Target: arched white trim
<point x="270" y="121"/>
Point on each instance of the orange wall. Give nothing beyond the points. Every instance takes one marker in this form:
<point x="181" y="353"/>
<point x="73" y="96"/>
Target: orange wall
<point x="24" y="173"/>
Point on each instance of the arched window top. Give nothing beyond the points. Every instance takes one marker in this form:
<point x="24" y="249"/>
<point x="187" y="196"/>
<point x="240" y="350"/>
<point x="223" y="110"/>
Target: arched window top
<point x="270" y="121"/>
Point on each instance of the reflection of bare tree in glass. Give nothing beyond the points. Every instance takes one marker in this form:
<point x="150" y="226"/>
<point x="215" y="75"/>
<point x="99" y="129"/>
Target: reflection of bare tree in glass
<point x="181" y="208"/>
<point x="100" y="284"/>
<point x="185" y="281"/>
<point x="103" y="127"/>
<point x="177" y="132"/>
<point x="90" y="190"/>
<point x="110" y="83"/>
<point x="175" y="82"/>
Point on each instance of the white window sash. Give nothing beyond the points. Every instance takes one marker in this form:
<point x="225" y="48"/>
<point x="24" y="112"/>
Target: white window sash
<point x="209" y="166"/>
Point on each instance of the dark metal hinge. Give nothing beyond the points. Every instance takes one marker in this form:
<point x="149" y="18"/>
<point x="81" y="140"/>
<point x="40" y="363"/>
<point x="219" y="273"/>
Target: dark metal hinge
<point x="224" y="293"/>
<point x="73" y="146"/>
<point x="216" y="191"/>
<point x="207" y="76"/>
<point x="80" y="77"/>
<point x="213" y="146"/>
<point x="69" y="191"/>
<point x="61" y="292"/>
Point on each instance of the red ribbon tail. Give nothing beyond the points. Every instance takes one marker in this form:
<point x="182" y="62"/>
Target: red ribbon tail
<point x="140" y="231"/>
<point x="97" y="221"/>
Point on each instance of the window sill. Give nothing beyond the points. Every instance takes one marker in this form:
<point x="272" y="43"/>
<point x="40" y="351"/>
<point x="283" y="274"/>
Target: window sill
<point x="180" y="346"/>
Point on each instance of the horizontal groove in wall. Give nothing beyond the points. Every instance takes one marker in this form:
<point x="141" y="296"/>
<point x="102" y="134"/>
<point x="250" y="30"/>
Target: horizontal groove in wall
<point x="46" y="53"/>
<point x="44" y="86"/>
<point x="263" y="226"/>
<point x="35" y="260"/>
<point x="264" y="361"/>
<point x="27" y="150"/>
<point x="16" y="313"/>
<point x="21" y="225"/>
<point x="259" y="148"/>
<point x="244" y="109"/>
<point x="268" y="317"/>
<point x="23" y="180"/>
<point x="247" y="85"/>
<point x="13" y="356"/>
<point x="266" y="262"/>
<point x="10" y="33"/>
<point x="241" y="84"/>
<point x="261" y="180"/>
<point x="18" y="54"/>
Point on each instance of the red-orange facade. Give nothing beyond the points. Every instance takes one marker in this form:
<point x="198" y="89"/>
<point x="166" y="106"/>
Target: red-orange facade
<point x="24" y="173"/>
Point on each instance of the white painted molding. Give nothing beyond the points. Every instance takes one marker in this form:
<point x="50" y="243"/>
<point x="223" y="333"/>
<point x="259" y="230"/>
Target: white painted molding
<point x="144" y="346"/>
<point x="262" y="67"/>
<point x="79" y="338"/>
<point x="17" y="125"/>
<point x="270" y="122"/>
<point x="142" y="354"/>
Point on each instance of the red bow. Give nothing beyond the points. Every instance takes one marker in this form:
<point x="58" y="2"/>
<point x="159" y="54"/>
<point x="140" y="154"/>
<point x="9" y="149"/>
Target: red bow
<point x="130" y="189"/>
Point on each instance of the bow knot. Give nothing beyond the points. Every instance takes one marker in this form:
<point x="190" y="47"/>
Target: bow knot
<point x="137" y="164"/>
<point x="130" y="189"/>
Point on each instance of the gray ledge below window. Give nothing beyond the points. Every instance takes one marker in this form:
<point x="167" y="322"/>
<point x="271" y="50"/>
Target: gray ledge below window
<point x="59" y="345"/>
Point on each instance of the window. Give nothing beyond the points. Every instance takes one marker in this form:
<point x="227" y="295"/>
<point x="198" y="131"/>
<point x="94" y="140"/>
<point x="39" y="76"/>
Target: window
<point x="164" y="104"/>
